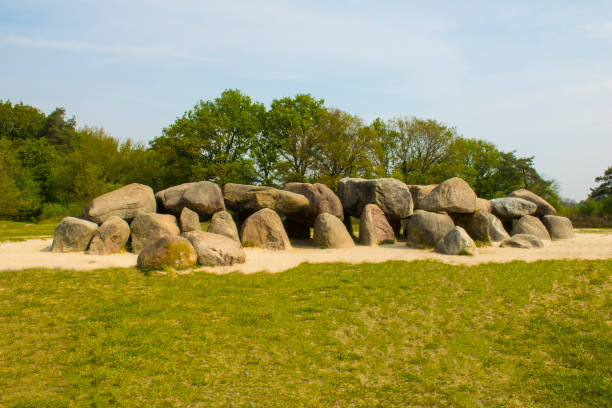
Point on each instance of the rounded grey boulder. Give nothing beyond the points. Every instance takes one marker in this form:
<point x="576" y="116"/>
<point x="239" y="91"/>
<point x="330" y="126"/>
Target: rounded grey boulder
<point x="528" y="224"/>
<point x="374" y="229"/>
<point x="264" y="229"/>
<point x="170" y="251"/>
<point x="222" y="223"/>
<point x="558" y="227"/>
<point x="522" y="241"/>
<point x="329" y="231"/>
<point x="321" y="200"/>
<point x="203" y="197"/>
<point x="73" y="235"/>
<point x="390" y="195"/>
<point x="110" y="238"/>
<point x="126" y="203"/>
<point x="150" y="227"/>
<point x="543" y="206"/>
<point x="426" y="228"/>
<point x="456" y="242"/>
<point x="476" y="224"/>
<point x="509" y="208"/>
<point x="497" y="232"/>
<point x="453" y="195"/>
<point x="215" y="249"/>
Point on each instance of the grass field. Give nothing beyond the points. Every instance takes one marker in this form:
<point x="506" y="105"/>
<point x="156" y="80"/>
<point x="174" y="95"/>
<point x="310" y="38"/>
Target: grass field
<point x="392" y="334"/>
<point x="21" y="231"/>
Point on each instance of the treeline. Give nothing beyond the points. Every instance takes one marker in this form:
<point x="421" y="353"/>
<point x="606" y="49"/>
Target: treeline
<point x="49" y="167"/>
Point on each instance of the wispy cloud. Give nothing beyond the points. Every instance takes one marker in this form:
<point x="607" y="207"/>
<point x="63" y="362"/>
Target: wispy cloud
<point x="83" y="46"/>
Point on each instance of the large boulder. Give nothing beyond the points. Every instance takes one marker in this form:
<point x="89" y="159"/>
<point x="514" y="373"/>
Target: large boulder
<point x="374" y="229"/>
<point x="526" y="241"/>
<point x="497" y="232"/>
<point x="189" y="221"/>
<point x="245" y="200"/>
<point x="222" y="223"/>
<point x="528" y="224"/>
<point x="425" y="229"/>
<point x="544" y="208"/>
<point x="321" y="199"/>
<point x="167" y="252"/>
<point x="110" y="238"/>
<point x="453" y="195"/>
<point x="73" y="235"/>
<point x="418" y="194"/>
<point x="558" y="227"/>
<point x="215" y="249"/>
<point x="390" y="195"/>
<point x="330" y="232"/>
<point x="264" y="229"/>
<point x="509" y="208"/>
<point x="126" y="203"/>
<point x="456" y="242"/>
<point x="203" y="197"/>
<point x="150" y="227"/>
<point x="476" y="224"/>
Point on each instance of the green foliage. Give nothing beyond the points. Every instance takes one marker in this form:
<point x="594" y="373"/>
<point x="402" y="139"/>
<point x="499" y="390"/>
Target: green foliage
<point x="604" y="189"/>
<point x="45" y="160"/>
<point x="393" y="334"/>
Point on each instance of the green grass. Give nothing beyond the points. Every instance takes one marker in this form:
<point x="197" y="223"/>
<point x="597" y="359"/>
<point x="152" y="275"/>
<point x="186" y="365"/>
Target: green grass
<point x="594" y="230"/>
<point x="391" y="334"/>
<point x="21" y="231"/>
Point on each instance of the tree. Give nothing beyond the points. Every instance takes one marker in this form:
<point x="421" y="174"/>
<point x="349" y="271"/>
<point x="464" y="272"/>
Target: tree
<point x="422" y="149"/>
<point x="211" y="141"/>
<point x="604" y="189"/>
<point x="384" y="149"/>
<point x="344" y="147"/>
<point x="20" y="122"/>
<point x="292" y="122"/>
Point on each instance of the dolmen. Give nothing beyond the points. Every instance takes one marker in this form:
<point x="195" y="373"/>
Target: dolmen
<point x="164" y="229"/>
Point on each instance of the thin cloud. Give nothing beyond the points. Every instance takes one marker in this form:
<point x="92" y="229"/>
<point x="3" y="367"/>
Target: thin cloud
<point x="82" y="46"/>
<point x="600" y="29"/>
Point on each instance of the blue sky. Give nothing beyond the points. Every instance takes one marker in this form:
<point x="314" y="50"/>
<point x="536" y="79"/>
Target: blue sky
<point x="535" y="77"/>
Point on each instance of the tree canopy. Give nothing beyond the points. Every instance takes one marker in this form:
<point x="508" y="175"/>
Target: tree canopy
<point x="49" y="167"/>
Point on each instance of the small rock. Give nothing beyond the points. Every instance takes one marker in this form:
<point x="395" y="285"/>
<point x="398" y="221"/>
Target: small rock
<point x="330" y="232"/>
<point x="522" y="241"/>
<point x="150" y="227"/>
<point x="169" y="251"/>
<point x="215" y="249"/>
<point x="528" y="224"/>
<point x="73" y="235"/>
<point x="374" y="229"/>
<point x="456" y="242"/>
<point x="558" y="227"/>
<point x="426" y="228"/>
<point x="222" y="223"/>
<point x="189" y="221"/>
<point x="110" y="238"/>
<point x="265" y="229"/>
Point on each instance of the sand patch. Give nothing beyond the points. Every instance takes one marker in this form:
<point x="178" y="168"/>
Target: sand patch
<point x="35" y="254"/>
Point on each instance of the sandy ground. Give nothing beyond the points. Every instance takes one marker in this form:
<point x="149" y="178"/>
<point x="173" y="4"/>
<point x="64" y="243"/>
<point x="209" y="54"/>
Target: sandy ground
<point x="35" y="254"/>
